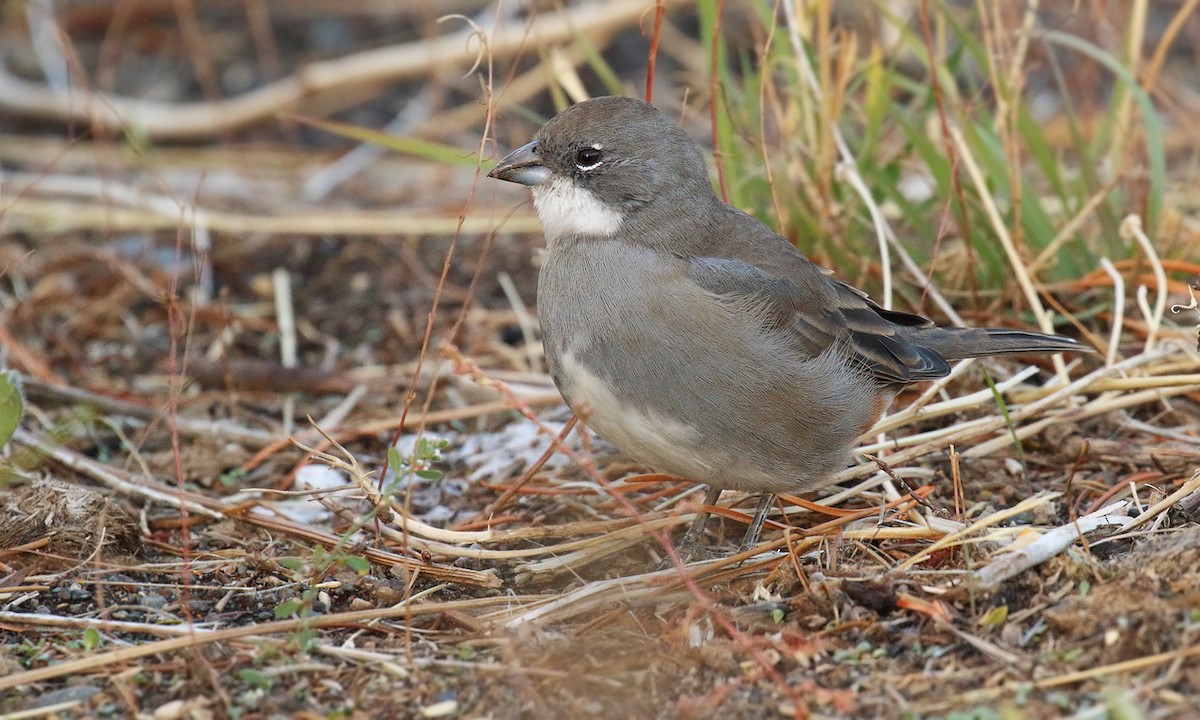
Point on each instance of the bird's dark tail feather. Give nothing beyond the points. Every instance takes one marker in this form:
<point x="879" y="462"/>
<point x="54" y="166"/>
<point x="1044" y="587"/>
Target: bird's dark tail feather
<point x="959" y="343"/>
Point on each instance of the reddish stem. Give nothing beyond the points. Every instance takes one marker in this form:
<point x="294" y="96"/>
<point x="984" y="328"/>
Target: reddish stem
<point x="660" y="9"/>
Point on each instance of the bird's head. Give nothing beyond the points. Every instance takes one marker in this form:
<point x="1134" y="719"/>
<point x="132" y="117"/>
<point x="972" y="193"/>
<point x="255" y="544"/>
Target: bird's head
<point x="602" y="161"/>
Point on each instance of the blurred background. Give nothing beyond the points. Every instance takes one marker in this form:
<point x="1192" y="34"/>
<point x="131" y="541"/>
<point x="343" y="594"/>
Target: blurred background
<point x="148" y="140"/>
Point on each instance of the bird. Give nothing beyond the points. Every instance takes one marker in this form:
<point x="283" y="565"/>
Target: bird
<point x="693" y="337"/>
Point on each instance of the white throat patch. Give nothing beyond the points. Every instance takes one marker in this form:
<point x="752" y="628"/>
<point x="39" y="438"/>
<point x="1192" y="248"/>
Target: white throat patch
<point x="567" y="209"/>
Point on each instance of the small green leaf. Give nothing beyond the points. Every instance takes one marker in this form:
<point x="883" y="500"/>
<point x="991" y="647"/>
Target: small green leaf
<point x="430" y="474"/>
<point x="306" y="639"/>
<point x="358" y="564"/>
<point x="91" y="638"/>
<point x="12" y="407"/>
<point x="291" y="563"/>
<point x="255" y="678"/>
<point x="287" y="609"/>
<point x="233" y="477"/>
<point x="995" y="617"/>
<point x="395" y="461"/>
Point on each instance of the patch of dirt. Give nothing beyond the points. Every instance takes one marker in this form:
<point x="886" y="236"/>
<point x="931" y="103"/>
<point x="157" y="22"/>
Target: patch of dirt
<point x="73" y="521"/>
<point x="1147" y="597"/>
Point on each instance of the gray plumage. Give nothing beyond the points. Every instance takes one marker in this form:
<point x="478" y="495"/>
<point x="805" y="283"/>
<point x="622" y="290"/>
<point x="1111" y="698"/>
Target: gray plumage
<point x="693" y="337"/>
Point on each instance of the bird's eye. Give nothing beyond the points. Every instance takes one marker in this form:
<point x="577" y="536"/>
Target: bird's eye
<point x="588" y="158"/>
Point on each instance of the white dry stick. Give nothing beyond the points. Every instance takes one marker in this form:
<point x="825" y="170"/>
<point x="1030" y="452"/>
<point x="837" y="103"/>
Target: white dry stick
<point x="285" y="317"/>
<point x="615" y="587"/>
<point x="130" y="209"/>
<point x="1169" y="501"/>
<point x="966" y="432"/>
<point x="1016" y="68"/>
<point x="847" y="172"/>
<point x="1020" y="272"/>
<point x="385" y="662"/>
<point x="20" y="619"/>
<point x="909" y="473"/>
<point x="1193" y="305"/>
<point x="980" y="425"/>
<point x="1013" y="562"/>
<point x="985" y="646"/>
<point x="1008" y="564"/>
<point x="1131" y="230"/>
<point x="1114" y="338"/>
<point x="1026" y="505"/>
<point x="174" y="211"/>
<point x="1084" y="214"/>
<point x="455" y="546"/>
<point x="525" y="320"/>
<point x="1159" y="389"/>
<point x="567" y="76"/>
<point x="628" y="591"/>
<point x="662" y="585"/>
<point x="938" y="388"/>
<point x="102" y="473"/>
<point x="46" y="36"/>
<point x="202" y="293"/>
<point x="336" y="416"/>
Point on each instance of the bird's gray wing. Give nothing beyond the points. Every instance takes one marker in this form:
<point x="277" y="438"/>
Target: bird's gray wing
<point x="817" y="313"/>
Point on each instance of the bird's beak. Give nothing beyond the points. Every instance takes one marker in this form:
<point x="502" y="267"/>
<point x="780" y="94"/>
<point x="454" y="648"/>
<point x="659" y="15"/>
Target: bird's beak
<point x="522" y="166"/>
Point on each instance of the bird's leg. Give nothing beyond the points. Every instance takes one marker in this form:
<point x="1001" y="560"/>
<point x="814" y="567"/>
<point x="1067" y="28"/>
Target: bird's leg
<point x="687" y="546"/>
<point x="756" y="525"/>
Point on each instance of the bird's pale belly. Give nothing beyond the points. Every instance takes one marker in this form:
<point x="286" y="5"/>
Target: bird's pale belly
<point x="666" y="443"/>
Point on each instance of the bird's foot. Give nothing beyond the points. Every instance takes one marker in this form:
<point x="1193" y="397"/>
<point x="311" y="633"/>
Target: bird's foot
<point x="754" y="530"/>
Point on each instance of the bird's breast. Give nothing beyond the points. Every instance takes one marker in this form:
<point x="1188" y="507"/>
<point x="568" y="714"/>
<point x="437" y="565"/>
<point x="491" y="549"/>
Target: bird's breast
<point x="605" y="309"/>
